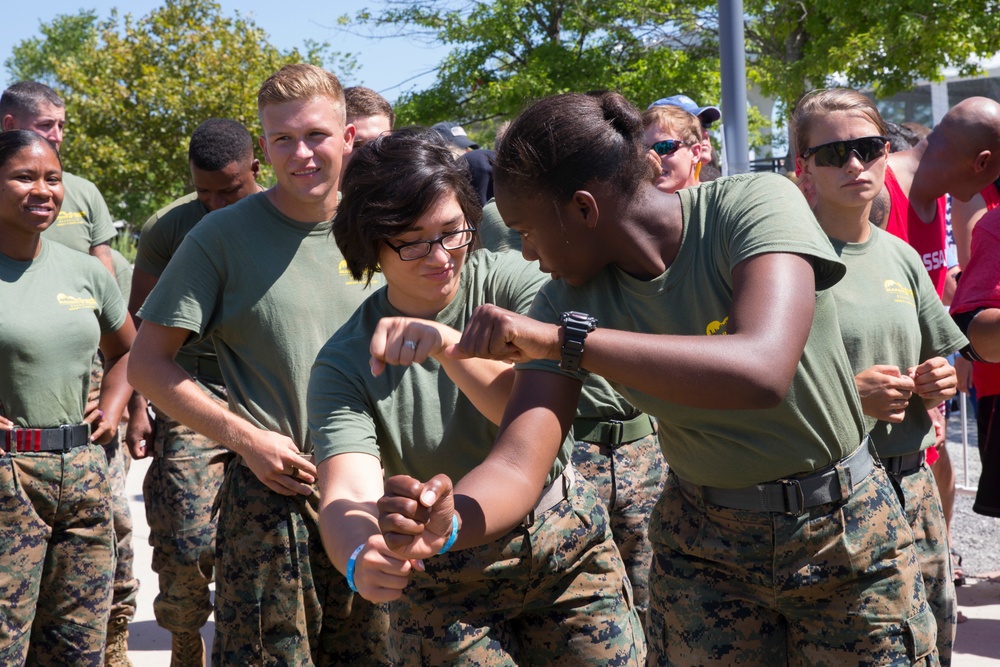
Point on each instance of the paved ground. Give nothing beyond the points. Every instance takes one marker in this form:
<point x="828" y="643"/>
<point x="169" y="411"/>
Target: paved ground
<point x="978" y="538"/>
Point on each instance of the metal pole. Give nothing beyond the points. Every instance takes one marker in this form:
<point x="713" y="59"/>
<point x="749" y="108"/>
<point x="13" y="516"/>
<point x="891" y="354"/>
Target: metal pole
<point x="732" y="56"/>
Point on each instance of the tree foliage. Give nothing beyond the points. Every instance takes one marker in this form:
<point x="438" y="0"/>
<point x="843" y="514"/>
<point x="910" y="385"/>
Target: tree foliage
<point x="136" y="88"/>
<point x="508" y="52"/>
<point x="883" y="45"/>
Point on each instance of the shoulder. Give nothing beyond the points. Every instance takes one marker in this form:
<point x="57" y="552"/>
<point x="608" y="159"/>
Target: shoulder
<point x="182" y="208"/>
<point x="246" y="212"/>
<point x="77" y="185"/>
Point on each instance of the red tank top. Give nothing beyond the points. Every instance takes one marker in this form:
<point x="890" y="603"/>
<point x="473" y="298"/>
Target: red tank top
<point x="927" y="238"/>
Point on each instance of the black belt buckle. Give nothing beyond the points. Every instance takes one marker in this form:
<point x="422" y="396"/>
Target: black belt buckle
<point x="67" y="437"/>
<point x="794" y="497"/>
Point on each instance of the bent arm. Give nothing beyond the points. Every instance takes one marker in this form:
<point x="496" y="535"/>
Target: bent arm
<point x="115" y="389"/>
<point x="769" y="323"/>
<point x="498" y="493"/>
<point x="273" y="457"/>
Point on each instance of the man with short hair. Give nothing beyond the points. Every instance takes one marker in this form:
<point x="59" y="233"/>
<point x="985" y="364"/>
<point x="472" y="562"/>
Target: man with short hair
<point x="84" y="222"/>
<point x="264" y="280"/>
<point x="187" y="469"/>
<point x="370" y="114"/>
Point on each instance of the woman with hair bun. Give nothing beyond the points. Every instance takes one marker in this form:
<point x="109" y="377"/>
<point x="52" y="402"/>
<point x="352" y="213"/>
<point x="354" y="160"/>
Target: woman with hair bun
<point x="777" y="540"/>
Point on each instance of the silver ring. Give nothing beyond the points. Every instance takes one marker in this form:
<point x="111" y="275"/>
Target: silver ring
<point x="410" y="345"/>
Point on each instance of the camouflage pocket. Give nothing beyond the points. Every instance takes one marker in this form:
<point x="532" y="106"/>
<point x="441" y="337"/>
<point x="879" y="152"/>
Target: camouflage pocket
<point x="921" y="634"/>
<point x="404" y="649"/>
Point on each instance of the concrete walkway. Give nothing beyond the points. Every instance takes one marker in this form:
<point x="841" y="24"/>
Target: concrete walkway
<point x="977" y="643"/>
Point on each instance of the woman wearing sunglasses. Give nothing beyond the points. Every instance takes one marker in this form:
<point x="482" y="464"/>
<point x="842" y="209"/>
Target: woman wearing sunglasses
<point x="673" y="137"/>
<point x="777" y="540"/>
<point x="895" y="329"/>
<point x="385" y="392"/>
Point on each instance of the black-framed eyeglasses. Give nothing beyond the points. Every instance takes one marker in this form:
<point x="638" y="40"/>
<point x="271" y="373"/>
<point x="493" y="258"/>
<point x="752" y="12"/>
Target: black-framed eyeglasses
<point x="837" y="153"/>
<point x="667" y="146"/>
<point x="417" y="249"/>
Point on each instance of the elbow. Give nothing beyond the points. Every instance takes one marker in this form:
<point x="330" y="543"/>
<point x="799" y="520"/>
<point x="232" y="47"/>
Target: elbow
<point x="768" y="397"/>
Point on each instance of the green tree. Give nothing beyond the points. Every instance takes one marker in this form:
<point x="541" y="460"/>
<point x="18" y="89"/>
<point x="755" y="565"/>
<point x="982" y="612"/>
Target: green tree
<point x="508" y="52"/>
<point x="135" y="89"/>
<point x="883" y="45"/>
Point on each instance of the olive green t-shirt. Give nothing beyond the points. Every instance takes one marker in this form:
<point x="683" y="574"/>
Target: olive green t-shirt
<point x="890" y="313"/>
<point x="494" y="234"/>
<point x="123" y="273"/>
<point x="269" y="291"/>
<point x="726" y="222"/>
<point x="160" y="238"/>
<point x="84" y="220"/>
<point x="414" y="418"/>
<point x="53" y="312"/>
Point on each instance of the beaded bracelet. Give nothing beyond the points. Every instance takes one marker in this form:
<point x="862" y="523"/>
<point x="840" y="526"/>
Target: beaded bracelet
<point x="452" y="537"/>
<point x="351" y="562"/>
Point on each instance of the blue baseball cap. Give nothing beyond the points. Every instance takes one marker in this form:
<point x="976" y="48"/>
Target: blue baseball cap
<point x="707" y="115"/>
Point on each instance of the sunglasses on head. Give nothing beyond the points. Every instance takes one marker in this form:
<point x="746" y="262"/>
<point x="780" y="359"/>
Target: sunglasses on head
<point x="837" y="153"/>
<point x="667" y="146"/>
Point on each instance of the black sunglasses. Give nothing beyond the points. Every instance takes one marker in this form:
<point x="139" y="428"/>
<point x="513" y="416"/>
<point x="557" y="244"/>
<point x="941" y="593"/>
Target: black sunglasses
<point x="667" y="146"/>
<point x="837" y="153"/>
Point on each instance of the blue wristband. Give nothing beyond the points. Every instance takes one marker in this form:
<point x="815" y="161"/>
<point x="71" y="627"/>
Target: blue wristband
<point x="350" y="566"/>
<point x="452" y="537"/>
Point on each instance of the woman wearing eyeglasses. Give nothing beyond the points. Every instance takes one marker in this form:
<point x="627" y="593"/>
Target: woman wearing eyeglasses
<point x="387" y="392"/>
<point x="777" y="540"/>
<point x="895" y="329"/>
<point x="673" y="137"/>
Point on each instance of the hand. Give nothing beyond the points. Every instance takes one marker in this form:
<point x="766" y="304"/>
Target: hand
<point x="940" y="427"/>
<point x="495" y="333"/>
<point x="402" y="341"/>
<point x="139" y="432"/>
<point x="934" y="380"/>
<point x="101" y="429"/>
<point x="379" y="574"/>
<point x="416" y="518"/>
<point x="885" y="392"/>
<point x="963" y="374"/>
<point x="277" y="462"/>
<point x="5" y="424"/>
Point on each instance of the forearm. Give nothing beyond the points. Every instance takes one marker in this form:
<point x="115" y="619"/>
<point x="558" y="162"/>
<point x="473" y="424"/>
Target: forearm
<point x="172" y="390"/>
<point x="486" y="383"/>
<point x="688" y="370"/>
<point x="115" y="389"/>
<point x="344" y="525"/>
<point x="984" y="334"/>
<point x="497" y="494"/>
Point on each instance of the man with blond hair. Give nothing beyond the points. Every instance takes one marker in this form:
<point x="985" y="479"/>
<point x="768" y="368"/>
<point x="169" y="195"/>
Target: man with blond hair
<point x="262" y="279"/>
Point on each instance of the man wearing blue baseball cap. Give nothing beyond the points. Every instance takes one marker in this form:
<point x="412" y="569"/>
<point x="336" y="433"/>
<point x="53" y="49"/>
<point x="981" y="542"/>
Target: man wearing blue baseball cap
<point x="707" y="116"/>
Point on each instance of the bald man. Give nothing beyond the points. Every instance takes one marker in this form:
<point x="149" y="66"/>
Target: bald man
<point x="960" y="157"/>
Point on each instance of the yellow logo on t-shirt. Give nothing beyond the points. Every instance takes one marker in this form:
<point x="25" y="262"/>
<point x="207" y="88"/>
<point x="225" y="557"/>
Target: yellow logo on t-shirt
<point x="67" y="218"/>
<point x="76" y="302"/>
<point x="346" y="273"/>
<point x="899" y="292"/>
<point x="717" y="328"/>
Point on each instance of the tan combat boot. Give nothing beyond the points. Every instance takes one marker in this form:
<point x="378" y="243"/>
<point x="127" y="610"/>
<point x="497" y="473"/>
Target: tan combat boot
<point x="187" y="650"/>
<point x="116" y="652"/>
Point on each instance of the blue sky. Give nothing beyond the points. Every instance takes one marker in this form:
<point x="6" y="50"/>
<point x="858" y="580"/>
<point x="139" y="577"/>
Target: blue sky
<point x="386" y="63"/>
